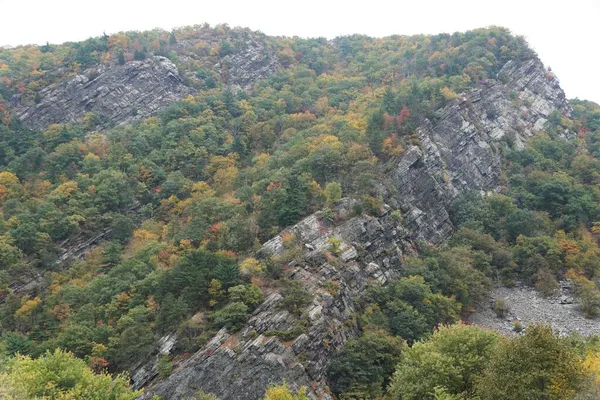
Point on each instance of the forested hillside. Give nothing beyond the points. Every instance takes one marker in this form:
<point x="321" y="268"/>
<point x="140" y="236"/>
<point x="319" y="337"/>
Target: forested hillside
<point x="131" y="234"/>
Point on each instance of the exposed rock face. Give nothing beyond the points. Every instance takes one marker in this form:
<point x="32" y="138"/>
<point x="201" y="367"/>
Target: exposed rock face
<point x="253" y="59"/>
<point x="116" y="93"/>
<point x="119" y="94"/>
<point x="458" y="151"/>
<point x="251" y="63"/>
<point x="241" y="365"/>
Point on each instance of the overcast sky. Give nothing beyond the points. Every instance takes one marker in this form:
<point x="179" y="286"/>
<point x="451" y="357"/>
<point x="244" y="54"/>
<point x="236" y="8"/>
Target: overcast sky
<point x="564" y="33"/>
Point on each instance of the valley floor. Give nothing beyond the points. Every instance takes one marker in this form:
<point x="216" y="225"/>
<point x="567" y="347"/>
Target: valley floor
<point x="525" y="305"/>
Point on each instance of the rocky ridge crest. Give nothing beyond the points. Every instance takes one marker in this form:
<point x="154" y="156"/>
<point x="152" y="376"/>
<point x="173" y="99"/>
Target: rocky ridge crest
<point x="120" y="94"/>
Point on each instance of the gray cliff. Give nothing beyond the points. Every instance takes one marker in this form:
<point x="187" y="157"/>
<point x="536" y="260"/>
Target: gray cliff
<point x="115" y="93"/>
<point x="120" y="94"/>
<point x="241" y="365"/>
<point x="458" y="151"/>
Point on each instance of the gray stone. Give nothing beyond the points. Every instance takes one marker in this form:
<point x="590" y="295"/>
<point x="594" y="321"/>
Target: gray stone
<point x="115" y="93"/>
<point x="241" y="365"/>
<point x="458" y="152"/>
<point x="524" y="304"/>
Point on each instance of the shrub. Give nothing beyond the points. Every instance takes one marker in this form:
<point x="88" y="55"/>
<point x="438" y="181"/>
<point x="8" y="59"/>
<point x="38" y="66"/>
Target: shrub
<point x="333" y="192"/>
<point x="165" y="366"/>
<point x="250" y="295"/>
<point x="283" y="392"/>
<point x="295" y="298"/>
<point x="232" y="316"/>
<point x="334" y="245"/>
<point x="517" y="326"/>
<point x="500" y="308"/>
<point x="396" y="216"/>
<point x="546" y="284"/>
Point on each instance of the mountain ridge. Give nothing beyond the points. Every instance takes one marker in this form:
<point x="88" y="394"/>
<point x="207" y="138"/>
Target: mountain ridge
<point x="242" y="364"/>
<point x="174" y="179"/>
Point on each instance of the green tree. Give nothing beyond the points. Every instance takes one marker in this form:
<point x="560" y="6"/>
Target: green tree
<point x="60" y="375"/>
<point x="172" y="38"/>
<point x="365" y="364"/>
<point x="113" y="191"/>
<point x="333" y="192"/>
<point x="451" y="359"/>
<point x="232" y="316"/>
<point x="536" y="366"/>
<point x="250" y="295"/>
<point x="375" y="133"/>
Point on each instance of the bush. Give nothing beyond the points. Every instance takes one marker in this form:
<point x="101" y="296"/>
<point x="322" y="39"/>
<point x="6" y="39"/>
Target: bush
<point x="250" y="295"/>
<point x="232" y="316"/>
<point x="500" y="308"/>
<point x="283" y="392"/>
<point x="517" y="326"/>
<point x="165" y="366"/>
<point x="295" y="298"/>
<point x="334" y="245"/>
<point x="587" y="293"/>
<point x="546" y="283"/>
<point x="333" y="192"/>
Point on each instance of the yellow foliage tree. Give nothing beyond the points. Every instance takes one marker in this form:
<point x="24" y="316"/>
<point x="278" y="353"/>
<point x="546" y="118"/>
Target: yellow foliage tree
<point x="251" y="265"/>
<point x="8" y="179"/>
<point x="66" y="189"/>
<point x="29" y="306"/>
<point x="283" y="392"/>
<point x="448" y="94"/>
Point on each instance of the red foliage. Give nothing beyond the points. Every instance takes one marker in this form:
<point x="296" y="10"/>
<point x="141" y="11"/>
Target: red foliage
<point x="215" y="228"/>
<point x="98" y="364"/>
<point x="388" y="122"/>
<point x="163" y="255"/>
<point x="404" y="115"/>
<point x="273" y="185"/>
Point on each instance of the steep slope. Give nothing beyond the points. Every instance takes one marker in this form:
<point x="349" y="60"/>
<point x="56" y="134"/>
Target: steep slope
<point x="119" y="94"/>
<point x="242" y="365"/>
<point x="144" y="235"/>
<point x="115" y="94"/>
<point x="458" y="152"/>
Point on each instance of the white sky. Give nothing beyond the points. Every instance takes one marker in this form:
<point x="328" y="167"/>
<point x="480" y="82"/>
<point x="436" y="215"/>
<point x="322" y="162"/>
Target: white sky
<point x="564" y="33"/>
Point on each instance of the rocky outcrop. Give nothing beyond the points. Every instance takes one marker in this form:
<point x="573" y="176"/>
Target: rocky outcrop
<point x="119" y="94"/>
<point x="253" y="61"/>
<point x="115" y="93"/>
<point x="459" y="152"/>
<point x="241" y="365"/>
<point x="250" y="58"/>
